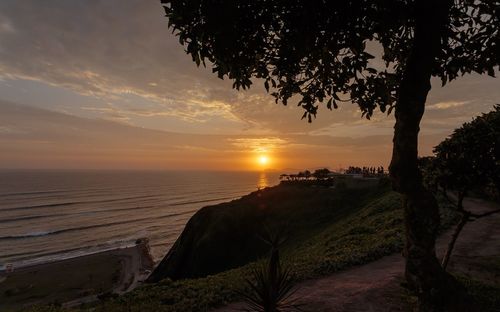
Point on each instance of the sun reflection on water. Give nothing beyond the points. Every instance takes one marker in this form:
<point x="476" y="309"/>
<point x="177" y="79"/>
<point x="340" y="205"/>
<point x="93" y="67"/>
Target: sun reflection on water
<point x="263" y="181"/>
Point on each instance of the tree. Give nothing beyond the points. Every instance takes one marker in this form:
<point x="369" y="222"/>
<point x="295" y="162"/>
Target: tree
<point x="321" y="174"/>
<point x="470" y="157"/>
<point x="467" y="159"/>
<point x="284" y="176"/>
<point x="316" y="52"/>
<point x="492" y="121"/>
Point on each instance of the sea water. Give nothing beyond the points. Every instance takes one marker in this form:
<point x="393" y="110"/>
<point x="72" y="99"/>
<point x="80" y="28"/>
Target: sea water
<point x="55" y="214"/>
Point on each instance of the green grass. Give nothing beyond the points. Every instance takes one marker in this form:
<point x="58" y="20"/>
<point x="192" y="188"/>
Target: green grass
<point x="364" y="226"/>
<point x="373" y="232"/>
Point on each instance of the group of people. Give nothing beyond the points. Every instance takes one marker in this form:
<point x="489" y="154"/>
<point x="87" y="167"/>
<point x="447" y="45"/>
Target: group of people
<point x="365" y="170"/>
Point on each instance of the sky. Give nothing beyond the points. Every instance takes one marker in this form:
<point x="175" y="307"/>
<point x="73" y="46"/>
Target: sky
<point x="89" y="84"/>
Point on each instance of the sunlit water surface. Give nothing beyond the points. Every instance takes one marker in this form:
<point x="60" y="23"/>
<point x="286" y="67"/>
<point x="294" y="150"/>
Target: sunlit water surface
<point x="46" y="215"/>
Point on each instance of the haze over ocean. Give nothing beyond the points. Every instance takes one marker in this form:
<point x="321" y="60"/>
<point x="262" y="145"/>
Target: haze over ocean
<point x="52" y="214"/>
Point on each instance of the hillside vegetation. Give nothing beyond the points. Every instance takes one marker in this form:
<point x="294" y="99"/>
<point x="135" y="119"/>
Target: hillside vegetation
<point x="229" y="235"/>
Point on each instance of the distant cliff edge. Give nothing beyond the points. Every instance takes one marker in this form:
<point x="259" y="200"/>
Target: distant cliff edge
<point x="228" y="235"/>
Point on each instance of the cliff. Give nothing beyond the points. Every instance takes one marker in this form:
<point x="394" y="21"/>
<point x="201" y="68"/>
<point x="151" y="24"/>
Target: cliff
<point x="228" y="235"/>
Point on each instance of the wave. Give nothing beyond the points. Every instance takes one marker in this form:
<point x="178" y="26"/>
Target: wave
<point x="77" y="191"/>
<point x="74" y="193"/>
<point x="200" y="201"/>
<point x="32" y="193"/>
<point x="37" y="206"/>
<point x="23" y="218"/>
<point x="26" y="235"/>
<point x="72" y="214"/>
<point x="86" y="227"/>
<point x="135" y="208"/>
<point x="28" y="259"/>
<point x="36" y="254"/>
<point x="78" y="202"/>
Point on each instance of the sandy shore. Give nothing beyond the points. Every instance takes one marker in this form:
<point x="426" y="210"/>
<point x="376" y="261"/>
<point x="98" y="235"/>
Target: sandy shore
<point x="77" y="280"/>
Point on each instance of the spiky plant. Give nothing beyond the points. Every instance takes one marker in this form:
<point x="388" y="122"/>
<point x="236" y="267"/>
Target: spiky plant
<point x="270" y="286"/>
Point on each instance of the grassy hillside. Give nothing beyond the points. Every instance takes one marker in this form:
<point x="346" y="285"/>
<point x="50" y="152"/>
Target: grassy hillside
<point x="343" y="228"/>
<point x="229" y="235"/>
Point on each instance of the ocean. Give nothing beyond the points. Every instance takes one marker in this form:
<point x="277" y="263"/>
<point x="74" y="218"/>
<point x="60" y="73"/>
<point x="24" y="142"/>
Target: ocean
<point x="47" y="215"/>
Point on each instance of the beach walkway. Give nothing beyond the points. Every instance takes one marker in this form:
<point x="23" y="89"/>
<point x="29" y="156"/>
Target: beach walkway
<point x="376" y="286"/>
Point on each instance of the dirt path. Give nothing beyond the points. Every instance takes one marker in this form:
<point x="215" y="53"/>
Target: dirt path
<point x="375" y="286"/>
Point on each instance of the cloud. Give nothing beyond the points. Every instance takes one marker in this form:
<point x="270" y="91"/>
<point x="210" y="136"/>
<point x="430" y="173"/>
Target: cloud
<point x="9" y="130"/>
<point x="38" y="138"/>
<point x="5" y="25"/>
<point x="447" y="105"/>
<point x="259" y="145"/>
<point x="107" y="49"/>
<point x="122" y="53"/>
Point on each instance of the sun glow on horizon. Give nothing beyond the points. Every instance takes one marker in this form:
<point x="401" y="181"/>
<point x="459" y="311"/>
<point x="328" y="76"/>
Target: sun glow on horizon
<point x="263" y="160"/>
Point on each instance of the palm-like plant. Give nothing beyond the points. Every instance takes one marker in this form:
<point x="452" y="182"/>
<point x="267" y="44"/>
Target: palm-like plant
<point x="271" y="285"/>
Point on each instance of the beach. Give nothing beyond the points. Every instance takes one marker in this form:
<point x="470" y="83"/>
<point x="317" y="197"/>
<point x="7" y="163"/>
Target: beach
<point x="77" y="280"/>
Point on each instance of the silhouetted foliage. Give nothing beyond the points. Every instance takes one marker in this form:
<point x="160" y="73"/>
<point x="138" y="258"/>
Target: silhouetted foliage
<point x="321" y="174"/>
<point x="466" y="160"/>
<point x="366" y="171"/>
<point x="318" y="51"/>
<point x="319" y="177"/>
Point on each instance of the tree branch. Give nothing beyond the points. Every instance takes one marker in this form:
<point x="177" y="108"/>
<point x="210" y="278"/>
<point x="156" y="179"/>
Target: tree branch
<point x="489" y="213"/>
<point x="454" y="237"/>
<point x="445" y="194"/>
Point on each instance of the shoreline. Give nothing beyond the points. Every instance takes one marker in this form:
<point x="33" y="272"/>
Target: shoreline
<point x="59" y="256"/>
<point x="76" y="280"/>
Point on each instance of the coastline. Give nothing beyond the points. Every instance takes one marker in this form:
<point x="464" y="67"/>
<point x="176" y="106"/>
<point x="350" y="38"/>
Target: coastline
<point x="46" y="216"/>
<point x="76" y="280"/>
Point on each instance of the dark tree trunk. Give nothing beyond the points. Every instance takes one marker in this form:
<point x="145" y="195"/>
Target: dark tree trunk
<point x="460" y="201"/>
<point x="454" y="237"/>
<point x="435" y="288"/>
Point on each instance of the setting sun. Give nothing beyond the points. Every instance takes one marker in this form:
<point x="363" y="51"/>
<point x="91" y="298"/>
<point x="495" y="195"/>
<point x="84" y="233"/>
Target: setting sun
<point x="263" y="160"/>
